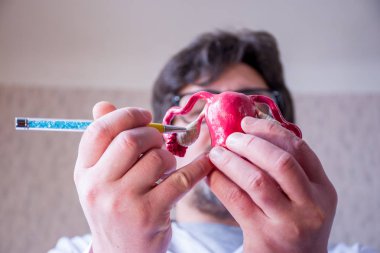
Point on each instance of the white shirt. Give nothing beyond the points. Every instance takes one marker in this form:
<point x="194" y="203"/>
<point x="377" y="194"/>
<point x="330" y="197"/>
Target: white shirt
<point x="197" y="237"/>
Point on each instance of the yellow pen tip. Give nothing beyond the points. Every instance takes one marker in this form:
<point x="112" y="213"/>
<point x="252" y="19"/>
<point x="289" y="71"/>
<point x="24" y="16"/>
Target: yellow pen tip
<point x="158" y="126"/>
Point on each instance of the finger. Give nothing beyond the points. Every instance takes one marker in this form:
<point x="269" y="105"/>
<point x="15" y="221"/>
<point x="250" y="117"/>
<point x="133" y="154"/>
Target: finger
<point x="149" y="169"/>
<point x="181" y="181"/>
<point x="278" y="163"/>
<point x="283" y="138"/>
<point x="101" y="132"/>
<point x="255" y="182"/>
<point x="235" y="199"/>
<point x="102" y="108"/>
<point x="124" y="151"/>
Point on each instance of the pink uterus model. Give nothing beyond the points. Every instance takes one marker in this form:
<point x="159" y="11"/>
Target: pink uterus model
<point x="223" y="114"/>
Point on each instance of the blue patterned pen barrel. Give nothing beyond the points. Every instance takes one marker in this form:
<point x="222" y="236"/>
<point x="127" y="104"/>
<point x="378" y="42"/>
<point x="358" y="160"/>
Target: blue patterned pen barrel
<point x="52" y="124"/>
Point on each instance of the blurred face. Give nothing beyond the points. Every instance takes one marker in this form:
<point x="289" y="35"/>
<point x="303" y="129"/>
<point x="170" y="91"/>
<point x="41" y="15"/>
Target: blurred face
<point x="237" y="77"/>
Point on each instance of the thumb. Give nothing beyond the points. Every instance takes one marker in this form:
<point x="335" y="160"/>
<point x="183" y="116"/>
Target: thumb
<point x="102" y="108"/>
<point x="180" y="182"/>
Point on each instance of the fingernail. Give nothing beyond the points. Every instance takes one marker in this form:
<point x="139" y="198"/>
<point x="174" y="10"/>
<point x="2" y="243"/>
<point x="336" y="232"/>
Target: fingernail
<point x="234" y="139"/>
<point x="249" y="121"/>
<point x="216" y="153"/>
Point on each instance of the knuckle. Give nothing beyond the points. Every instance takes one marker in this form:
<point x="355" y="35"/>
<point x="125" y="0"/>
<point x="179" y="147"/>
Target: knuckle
<point x="271" y="125"/>
<point x="127" y="140"/>
<point x="114" y="204"/>
<point x="204" y="165"/>
<point x="234" y="195"/>
<point x="250" y="141"/>
<point x="135" y="115"/>
<point x="256" y="181"/>
<point x="294" y="230"/>
<point x="90" y="195"/>
<point x="284" y="162"/>
<point x="130" y="114"/>
<point x="143" y="211"/>
<point x="310" y="218"/>
<point x="99" y="130"/>
<point x="319" y="219"/>
<point x="155" y="157"/>
<point x="113" y="201"/>
<point x="297" y="230"/>
<point x="140" y="213"/>
<point x="299" y="144"/>
<point x="225" y="159"/>
<point x="316" y="218"/>
<point x="183" y="181"/>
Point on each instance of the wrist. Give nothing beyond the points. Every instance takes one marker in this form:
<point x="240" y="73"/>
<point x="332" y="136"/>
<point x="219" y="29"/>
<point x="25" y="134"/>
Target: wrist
<point x="150" y="244"/>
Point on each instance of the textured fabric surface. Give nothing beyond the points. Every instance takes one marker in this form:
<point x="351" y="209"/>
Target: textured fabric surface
<point x="39" y="202"/>
<point x="344" y="130"/>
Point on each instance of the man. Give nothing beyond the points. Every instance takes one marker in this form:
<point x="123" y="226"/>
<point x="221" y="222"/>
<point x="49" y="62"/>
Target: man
<point x="266" y="193"/>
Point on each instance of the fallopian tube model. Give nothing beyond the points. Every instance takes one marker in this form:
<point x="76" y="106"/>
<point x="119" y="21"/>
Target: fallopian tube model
<point x="223" y="113"/>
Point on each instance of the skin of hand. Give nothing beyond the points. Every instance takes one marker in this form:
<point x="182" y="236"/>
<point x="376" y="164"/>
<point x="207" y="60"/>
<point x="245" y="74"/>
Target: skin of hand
<point x="119" y="161"/>
<point x="276" y="189"/>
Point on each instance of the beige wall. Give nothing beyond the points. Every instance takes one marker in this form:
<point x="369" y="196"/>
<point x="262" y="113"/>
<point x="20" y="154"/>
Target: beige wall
<point x="39" y="203"/>
<point x="326" y="45"/>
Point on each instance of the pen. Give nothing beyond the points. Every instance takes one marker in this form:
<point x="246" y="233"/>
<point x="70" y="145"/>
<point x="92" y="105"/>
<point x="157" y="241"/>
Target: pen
<point x="73" y="125"/>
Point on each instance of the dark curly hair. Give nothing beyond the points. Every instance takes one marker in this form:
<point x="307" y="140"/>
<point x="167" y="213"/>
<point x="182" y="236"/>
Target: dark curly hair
<point x="209" y="55"/>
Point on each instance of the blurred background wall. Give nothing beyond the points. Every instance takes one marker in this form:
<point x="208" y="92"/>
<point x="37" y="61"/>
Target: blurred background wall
<point x="58" y="58"/>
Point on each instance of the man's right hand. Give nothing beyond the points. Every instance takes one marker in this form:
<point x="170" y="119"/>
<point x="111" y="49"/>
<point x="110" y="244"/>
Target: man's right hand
<point x="119" y="161"/>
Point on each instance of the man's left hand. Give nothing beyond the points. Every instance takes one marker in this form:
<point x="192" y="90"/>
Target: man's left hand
<point x="275" y="187"/>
